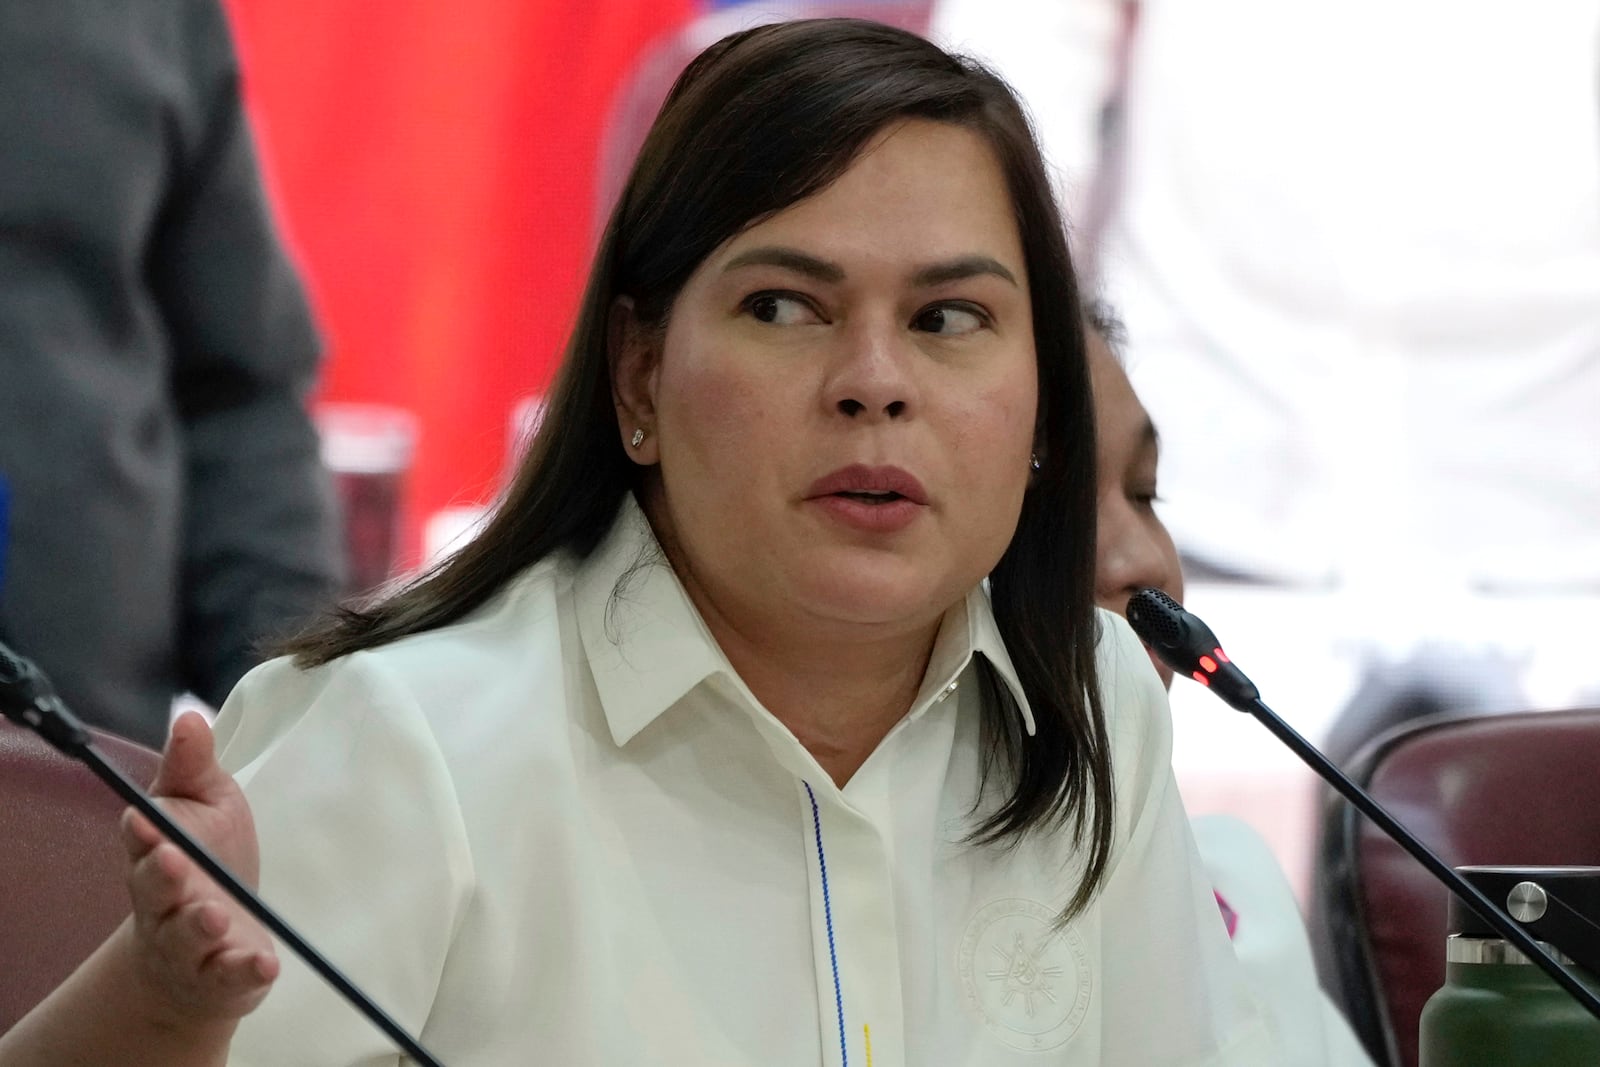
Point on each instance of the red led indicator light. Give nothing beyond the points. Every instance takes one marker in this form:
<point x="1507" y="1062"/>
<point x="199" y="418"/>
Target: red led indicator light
<point x="1221" y="655"/>
<point x="1209" y="664"/>
<point x="1201" y="678"/>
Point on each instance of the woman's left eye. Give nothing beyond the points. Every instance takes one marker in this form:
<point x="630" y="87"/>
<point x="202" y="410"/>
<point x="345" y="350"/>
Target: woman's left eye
<point x="950" y="320"/>
<point x="1145" y="499"/>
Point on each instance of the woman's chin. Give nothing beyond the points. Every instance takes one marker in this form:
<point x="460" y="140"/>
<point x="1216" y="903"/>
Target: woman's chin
<point x="886" y="596"/>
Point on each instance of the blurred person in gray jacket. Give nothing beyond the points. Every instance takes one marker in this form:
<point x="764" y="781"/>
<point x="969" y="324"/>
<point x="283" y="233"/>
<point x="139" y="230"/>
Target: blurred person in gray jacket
<point x="167" y="508"/>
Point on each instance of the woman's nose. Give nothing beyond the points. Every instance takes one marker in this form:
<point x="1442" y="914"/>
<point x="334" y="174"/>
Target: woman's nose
<point x="874" y="374"/>
<point x="1131" y="557"/>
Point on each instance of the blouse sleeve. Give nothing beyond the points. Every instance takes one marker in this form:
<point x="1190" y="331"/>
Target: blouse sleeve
<point x="1272" y="946"/>
<point x="363" y="851"/>
<point x="1175" y="994"/>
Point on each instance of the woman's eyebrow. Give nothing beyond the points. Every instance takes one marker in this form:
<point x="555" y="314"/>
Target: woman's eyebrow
<point x="789" y="259"/>
<point x="954" y="270"/>
<point x="824" y="271"/>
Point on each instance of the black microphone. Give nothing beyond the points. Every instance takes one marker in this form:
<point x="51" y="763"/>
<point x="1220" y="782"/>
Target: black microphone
<point x="28" y="699"/>
<point x="1188" y="646"/>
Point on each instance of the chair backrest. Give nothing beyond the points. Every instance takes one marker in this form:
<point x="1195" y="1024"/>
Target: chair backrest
<point x="1519" y="789"/>
<point x="62" y="889"/>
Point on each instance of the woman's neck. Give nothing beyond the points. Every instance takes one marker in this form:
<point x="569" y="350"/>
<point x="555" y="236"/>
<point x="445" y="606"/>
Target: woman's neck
<point x="839" y="688"/>
<point x="839" y="698"/>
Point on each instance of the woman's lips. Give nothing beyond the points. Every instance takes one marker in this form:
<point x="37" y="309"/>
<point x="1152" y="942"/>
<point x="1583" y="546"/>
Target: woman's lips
<point x="860" y="478"/>
<point x="890" y="516"/>
<point x="873" y="499"/>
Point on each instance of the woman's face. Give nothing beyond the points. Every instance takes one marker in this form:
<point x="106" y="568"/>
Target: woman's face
<point x="1133" y="549"/>
<point x="843" y="402"/>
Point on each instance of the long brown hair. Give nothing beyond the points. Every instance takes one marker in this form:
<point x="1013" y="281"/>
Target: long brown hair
<point x="759" y="121"/>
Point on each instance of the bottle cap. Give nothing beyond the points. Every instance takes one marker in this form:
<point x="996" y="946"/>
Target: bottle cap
<point x="1556" y="905"/>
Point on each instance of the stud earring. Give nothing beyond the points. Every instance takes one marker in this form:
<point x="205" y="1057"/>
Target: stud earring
<point x="1033" y="462"/>
<point x="637" y="439"/>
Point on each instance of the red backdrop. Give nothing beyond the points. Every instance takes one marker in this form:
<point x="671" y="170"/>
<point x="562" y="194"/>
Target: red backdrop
<point x="434" y="168"/>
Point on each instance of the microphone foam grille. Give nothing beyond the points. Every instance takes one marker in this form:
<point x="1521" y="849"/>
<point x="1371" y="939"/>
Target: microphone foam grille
<point x="1155" y="617"/>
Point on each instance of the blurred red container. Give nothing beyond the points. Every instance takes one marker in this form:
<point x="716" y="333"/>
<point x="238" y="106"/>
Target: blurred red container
<point x="369" y="449"/>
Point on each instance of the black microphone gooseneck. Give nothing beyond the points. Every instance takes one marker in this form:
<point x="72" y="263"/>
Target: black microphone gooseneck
<point x="28" y="699"/>
<point x="1188" y="646"/>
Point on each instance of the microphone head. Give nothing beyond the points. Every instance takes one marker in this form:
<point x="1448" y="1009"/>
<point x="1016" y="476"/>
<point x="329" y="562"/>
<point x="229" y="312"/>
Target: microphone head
<point x="1188" y="646"/>
<point x="28" y="699"/>
<point x="13" y="668"/>
<point x="21" y="683"/>
<point x="1158" y="620"/>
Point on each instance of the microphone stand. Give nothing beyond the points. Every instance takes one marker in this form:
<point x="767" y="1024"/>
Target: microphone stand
<point x="27" y="698"/>
<point x="1188" y="646"/>
<point x="1471" y="895"/>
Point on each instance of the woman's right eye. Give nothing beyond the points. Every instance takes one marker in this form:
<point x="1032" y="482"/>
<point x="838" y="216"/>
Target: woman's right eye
<point x="780" y="309"/>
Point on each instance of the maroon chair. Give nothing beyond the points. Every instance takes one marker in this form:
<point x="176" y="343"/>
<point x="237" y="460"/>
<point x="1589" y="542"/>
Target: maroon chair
<point x="62" y="888"/>
<point x="1518" y="789"/>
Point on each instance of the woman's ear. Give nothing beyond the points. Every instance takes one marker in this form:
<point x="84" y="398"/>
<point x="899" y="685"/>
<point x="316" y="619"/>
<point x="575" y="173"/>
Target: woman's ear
<point x="635" y="358"/>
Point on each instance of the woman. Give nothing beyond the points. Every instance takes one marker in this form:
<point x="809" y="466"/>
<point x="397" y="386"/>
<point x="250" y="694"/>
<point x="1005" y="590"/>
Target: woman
<point x="713" y="749"/>
<point x="1135" y="551"/>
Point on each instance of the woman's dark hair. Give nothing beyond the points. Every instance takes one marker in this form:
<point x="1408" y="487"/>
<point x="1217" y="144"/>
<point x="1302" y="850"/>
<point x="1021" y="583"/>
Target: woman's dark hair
<point x="760" y="120"/>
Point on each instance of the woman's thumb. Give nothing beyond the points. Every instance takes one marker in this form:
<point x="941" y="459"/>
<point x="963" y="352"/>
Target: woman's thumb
<point x="189" y="762"/>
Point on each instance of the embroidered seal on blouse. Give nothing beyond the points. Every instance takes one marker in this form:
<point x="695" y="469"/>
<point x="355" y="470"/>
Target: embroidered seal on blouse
<point x="1028" y="981"/>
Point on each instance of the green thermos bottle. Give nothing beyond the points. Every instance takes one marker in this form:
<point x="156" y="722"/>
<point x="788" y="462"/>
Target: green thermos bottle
<point x="1496" y="1009"/>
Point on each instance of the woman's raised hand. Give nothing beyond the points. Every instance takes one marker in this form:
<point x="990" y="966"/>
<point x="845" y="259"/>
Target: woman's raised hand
<point x="200" y="954"/>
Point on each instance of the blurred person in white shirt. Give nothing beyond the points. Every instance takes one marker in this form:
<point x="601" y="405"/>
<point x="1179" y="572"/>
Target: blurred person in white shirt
<point x="1358" y="247"/>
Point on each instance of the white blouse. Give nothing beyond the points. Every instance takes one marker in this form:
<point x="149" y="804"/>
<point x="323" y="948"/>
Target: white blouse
<point x="564" y="832"/>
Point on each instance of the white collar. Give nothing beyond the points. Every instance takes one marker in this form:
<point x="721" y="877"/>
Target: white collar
<point x="648" y="646"/>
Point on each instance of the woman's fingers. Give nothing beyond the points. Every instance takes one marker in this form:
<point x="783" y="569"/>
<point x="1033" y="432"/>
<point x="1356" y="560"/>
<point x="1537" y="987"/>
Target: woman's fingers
<point x="247" y="968"/>
<point x="224" y="955"/>
<point x="170" y="892"/>
<point x="139" y="835"/>
<point x="203" y="952"/>
<point x="207" y="955"/>
<point x="161" y="882"/>
<point x="204" y="964"/>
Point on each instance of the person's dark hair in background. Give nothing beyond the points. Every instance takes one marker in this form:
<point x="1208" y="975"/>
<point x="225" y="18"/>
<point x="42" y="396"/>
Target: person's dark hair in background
<point x="737" y="142"/>
<point x="167" y="506"/>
